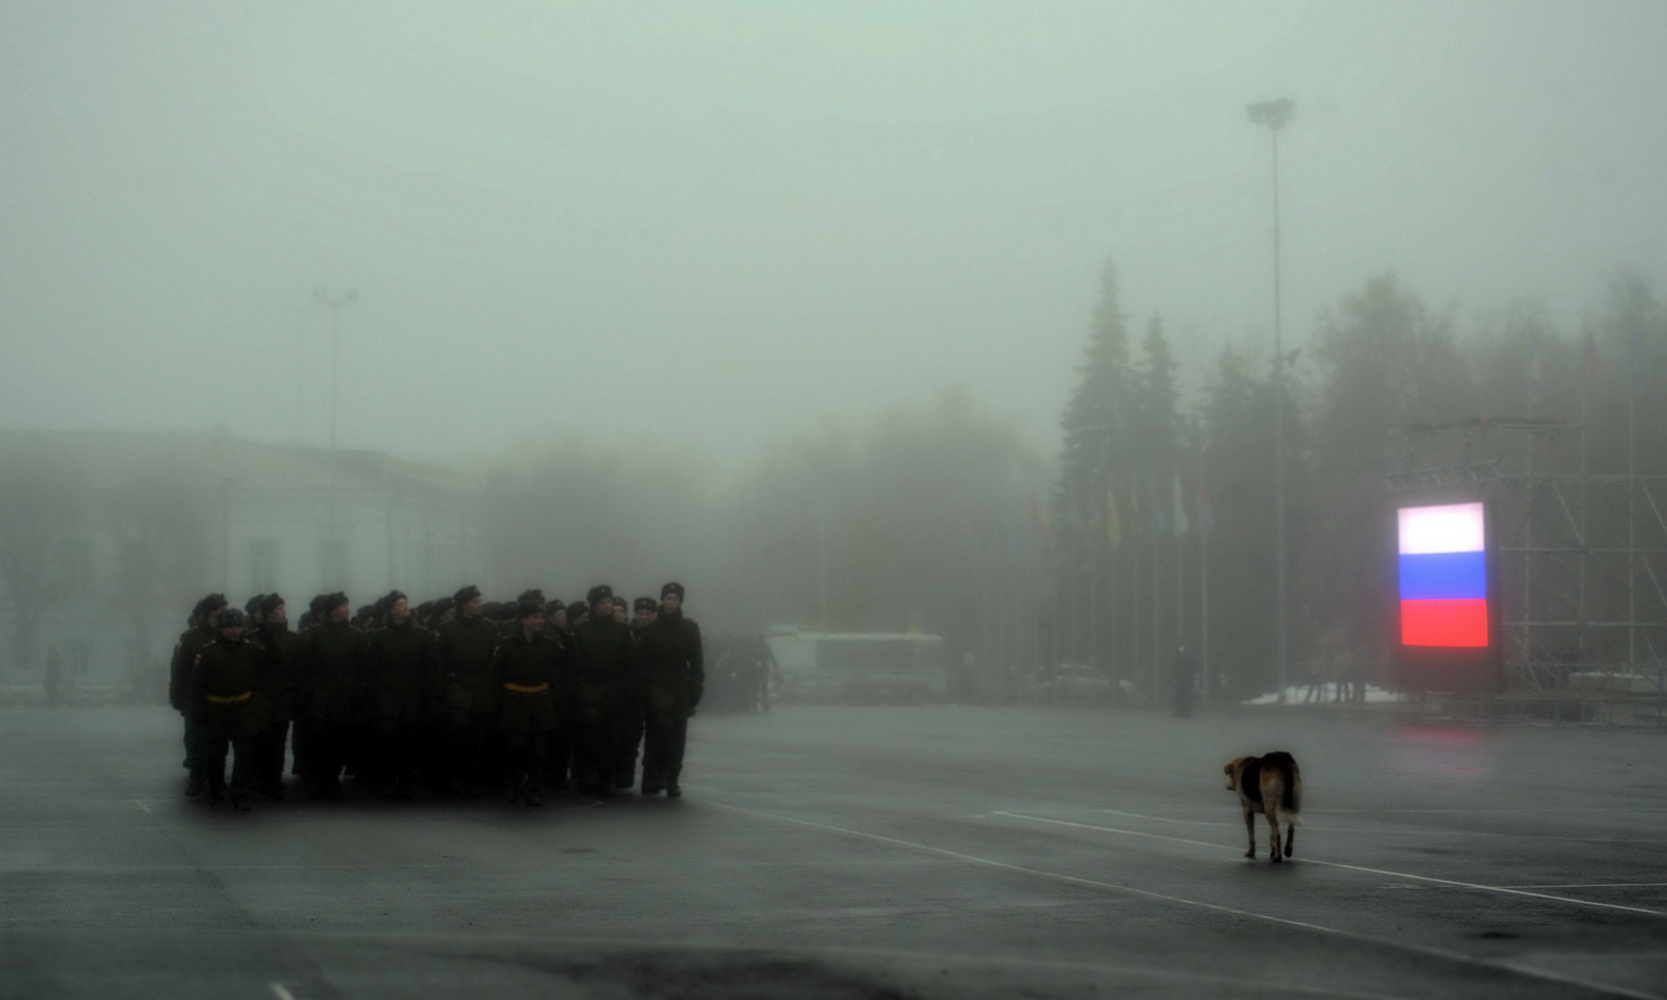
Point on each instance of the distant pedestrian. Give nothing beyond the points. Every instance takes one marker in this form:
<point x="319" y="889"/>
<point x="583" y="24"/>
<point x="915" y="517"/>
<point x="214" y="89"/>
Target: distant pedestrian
<point x="1186" y="680"/>
<point x="52" y="679"/>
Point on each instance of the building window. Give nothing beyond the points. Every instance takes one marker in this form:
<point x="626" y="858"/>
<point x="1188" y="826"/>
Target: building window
<point x="263" y="565"/>
<point x="333" y="563"/>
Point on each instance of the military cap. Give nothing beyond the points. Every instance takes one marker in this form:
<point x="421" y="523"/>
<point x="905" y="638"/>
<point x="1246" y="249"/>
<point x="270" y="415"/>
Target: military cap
<point x="646" y="604"/>
<point x="268" y="604"/>
<point x="466" y="595"/>
<point x="213" y="602"/>
<point x="252" y="604"/>
<point x="598" y="594"/>
<point x="526" y="609"/>
<point x="672" y="588"/>
<point x="532" y="594"/>
<point x="330" y="602"/>
<point x="551" y="607"/>
<point x="576" y="610"/>
<point x="232" y="618"/>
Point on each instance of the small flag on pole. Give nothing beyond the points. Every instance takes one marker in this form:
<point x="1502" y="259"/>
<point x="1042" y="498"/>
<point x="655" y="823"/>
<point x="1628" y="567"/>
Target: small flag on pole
<point x="1182" y="526"/>
<point x="1536" y="379"/>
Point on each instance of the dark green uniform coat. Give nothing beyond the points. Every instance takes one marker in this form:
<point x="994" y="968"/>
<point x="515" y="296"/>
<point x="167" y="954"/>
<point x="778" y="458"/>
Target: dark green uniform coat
<point x="674" y="673"/>
<point x="606" y="679"/>
<point x="222" y="685"/>
<point x="190" y="643"/>
<point x="527" y="663"/>
<point x="280" y="674"/>
<point x="332" y="675"/>
<point x="466" y="648"/>
<point x="403" y="672"/>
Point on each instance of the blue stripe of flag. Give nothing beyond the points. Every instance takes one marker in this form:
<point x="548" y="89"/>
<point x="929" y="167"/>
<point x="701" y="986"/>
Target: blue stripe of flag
<point x="1444" y="576"/>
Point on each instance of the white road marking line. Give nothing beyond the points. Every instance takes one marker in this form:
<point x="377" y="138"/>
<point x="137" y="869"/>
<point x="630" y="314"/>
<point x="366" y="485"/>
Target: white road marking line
<point x="281" y="993"/>
<point x="1451" y="956"/>
<point x="1396" y="831"/>
<point x="1520" y="811"/>
<point x="1591" y="885"/>
<point x="1358" y="868"/>
<point x="141" y="805"/>
<point x="1165" y="819"/>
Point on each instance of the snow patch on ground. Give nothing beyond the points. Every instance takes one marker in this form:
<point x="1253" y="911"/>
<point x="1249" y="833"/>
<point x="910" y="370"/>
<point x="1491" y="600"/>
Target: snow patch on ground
<point x="1322" y="694"/>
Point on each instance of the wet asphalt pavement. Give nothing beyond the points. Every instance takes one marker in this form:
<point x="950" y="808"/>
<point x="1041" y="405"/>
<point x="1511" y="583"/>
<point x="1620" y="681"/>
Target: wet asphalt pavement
<point x="835" y="852"/>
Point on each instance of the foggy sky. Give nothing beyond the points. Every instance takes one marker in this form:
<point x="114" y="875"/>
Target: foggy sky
<point x="721" y="224"/>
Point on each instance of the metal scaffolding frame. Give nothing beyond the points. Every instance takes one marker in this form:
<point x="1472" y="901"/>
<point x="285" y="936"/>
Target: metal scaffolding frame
<point x="1581" y="558"/>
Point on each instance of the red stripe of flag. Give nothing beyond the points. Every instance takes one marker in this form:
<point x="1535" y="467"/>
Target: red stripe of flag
<point x="1444" y="623"/>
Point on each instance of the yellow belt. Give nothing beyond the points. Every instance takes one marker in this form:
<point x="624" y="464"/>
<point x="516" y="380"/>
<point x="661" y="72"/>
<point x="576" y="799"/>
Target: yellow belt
<point x="523" y="689"/>
<point x="228" y="699"/>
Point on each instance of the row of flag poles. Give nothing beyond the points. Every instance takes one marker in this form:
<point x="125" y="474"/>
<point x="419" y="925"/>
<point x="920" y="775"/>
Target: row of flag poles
<point x="1169" y="519"/>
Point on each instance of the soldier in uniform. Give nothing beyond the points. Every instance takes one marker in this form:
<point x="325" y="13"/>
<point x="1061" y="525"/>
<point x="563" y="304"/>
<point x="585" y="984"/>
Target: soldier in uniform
<point x="675" y="679"/>
<point x="604" y="679"/>
<point x="222" y="682"/>
<point x="332" y="677"/>
<point x="275" y="694"/>
<point x="466" y="646"/>
<point x="404" y="683"/>
<point x="559" y="746"/>
<point x="525" y="670"/>
<point x="200" y="631"/>
<point x="643" y="611"/>
<point x="622" y="611"/>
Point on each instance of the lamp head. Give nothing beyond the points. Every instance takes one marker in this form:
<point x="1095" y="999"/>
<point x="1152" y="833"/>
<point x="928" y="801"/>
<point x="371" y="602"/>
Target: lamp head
<point x="1274" y="114"/>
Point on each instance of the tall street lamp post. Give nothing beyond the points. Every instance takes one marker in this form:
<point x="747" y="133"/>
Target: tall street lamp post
<point x="335" y="301"/>
<point x="1276" y="114"/>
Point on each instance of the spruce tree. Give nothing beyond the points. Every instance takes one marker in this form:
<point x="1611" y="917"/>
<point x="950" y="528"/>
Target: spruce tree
<point x="1093" y="469"/>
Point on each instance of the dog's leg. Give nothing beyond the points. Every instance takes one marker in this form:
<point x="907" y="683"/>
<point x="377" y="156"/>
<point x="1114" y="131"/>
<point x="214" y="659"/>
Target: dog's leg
<point x="1273" y="833"/>
<point x="1290" y="838"/>
<point x="1250" y="831"/>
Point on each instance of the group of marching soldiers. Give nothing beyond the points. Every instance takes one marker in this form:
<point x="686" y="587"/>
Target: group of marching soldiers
<point x="454" y="695"/>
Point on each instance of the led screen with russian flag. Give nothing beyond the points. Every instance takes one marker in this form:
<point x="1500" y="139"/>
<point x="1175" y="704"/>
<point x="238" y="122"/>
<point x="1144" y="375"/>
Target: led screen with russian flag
<point x="1443" y="567"/>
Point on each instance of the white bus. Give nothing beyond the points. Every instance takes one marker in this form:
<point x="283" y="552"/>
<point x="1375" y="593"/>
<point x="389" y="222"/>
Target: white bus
<point x="862" y="667"/>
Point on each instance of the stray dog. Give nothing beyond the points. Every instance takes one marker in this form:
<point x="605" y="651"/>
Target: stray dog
<point x="1272" y="785"/>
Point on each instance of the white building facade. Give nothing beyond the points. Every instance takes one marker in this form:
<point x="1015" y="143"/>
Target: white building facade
<point x="108" y="538"/>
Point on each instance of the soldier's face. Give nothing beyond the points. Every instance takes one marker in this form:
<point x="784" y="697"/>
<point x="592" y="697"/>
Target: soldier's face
<point x="278" y="616"/>
<point x="340" y="613"/>
<point x="559" y="619"/>
<point x="533" y="624"/>
<point x="400" y="611"/>
<point x="472" y="609"/>
<point x="671" y="604"/>
<point x="620" y="613"/>
<point x="644" y="616"/>
<point x="232" y="633"/>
